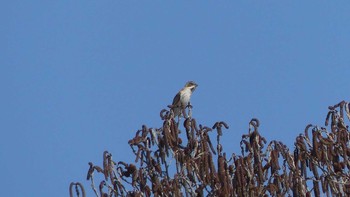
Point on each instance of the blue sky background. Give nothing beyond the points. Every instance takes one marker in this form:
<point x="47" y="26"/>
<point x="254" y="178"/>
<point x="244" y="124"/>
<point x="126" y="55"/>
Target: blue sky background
<point x="80" y="77"/>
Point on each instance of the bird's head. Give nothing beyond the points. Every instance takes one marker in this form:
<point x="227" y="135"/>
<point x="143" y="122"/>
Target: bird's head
<point x="192" y="85"/>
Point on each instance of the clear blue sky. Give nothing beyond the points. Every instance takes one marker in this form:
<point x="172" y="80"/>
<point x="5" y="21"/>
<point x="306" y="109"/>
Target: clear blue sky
<point x="80" y="77"/>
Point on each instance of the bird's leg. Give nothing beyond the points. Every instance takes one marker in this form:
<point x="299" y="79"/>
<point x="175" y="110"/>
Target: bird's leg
<point x="189" y="106"/>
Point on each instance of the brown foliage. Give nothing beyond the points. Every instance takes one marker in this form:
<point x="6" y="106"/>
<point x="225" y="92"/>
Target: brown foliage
<point x="319" y="164"/>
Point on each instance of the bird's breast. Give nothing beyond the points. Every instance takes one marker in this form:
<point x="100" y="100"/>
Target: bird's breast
<point x="185" y="98"/>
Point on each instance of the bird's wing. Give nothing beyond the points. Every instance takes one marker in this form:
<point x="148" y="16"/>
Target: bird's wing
<point x="176" y="99"/>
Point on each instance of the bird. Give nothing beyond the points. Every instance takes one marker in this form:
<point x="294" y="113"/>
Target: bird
<point x="182" y="98"/>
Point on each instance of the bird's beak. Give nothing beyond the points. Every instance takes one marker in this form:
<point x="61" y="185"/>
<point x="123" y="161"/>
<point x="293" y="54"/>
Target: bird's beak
<point x="195" y="86"/>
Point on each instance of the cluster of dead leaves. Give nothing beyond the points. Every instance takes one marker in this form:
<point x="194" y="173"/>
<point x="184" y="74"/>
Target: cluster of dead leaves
<point x="170" y="163"/>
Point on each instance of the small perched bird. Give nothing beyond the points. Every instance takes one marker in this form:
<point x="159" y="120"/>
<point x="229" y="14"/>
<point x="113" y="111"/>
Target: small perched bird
<point x="183" y="97"/>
